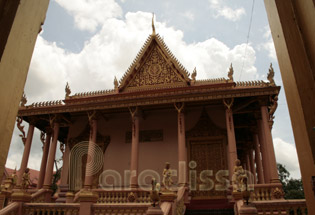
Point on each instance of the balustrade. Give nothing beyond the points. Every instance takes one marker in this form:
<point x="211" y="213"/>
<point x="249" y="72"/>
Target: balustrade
<point x="281" y="207"/>
<point x="51" y="209"/>
<point x="124" y="196"/>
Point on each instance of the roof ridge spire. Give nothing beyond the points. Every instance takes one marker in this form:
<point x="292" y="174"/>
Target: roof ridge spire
<point x="153" y="27"/>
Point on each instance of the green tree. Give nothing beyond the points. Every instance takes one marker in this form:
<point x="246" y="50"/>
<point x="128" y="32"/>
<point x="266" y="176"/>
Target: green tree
<point x="292" y="188"/>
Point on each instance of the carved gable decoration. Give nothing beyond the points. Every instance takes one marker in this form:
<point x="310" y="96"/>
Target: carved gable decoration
<point x="205" y="127"/>
<point x="154" y="67"/>
<point x="155" y="71"/>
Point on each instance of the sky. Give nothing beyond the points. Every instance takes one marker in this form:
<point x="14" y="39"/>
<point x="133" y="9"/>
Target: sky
<point x="89" y="42"/>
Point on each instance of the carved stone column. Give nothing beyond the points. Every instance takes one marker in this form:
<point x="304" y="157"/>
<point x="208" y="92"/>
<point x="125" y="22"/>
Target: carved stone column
<point x="232" y="151"/>
<point x="259" y="166"/>
<point x="269" y="149"/>
<point x="91" y="150"/>
<point x="264" y="152"/>
<point x="26" y="152"/>
<point x="134" y="158"/>
<point x="51" y="157"/>
<point x="44" y="159"/>
<point x="182" y="154"/>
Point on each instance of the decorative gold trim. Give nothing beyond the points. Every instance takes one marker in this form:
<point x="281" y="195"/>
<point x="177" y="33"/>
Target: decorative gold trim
<point x="228" y="104"/>
<point x="149" y="98"/>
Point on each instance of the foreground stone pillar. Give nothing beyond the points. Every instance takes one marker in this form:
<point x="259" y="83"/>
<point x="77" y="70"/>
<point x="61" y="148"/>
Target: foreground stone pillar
<point x="292" y="27"/>
<point x="91" y="152"/>
<point x="260" y="174"/>
<point x="51" y="157"/>
<point x="134" y="158"/>
<point x="232" y="151"/>
<point x="44" y="160"/>
<point x="21" y="22"/>
<point x="182" y="156"/>
<point x="26" y="152"/>
<point x="273" y="171"/>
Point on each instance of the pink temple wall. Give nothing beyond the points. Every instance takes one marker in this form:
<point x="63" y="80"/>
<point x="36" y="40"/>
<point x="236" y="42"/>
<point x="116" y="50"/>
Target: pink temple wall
<point x="152" y="155"/>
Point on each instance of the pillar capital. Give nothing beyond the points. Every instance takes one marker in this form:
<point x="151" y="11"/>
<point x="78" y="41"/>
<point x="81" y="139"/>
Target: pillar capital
<point x="179" y="106"/>
<point x="134" y="111"/>
<point x="228" y="103"/>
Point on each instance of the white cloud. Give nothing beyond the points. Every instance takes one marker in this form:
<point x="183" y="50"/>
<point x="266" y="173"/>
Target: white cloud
<point x="89" y="14"/>
<point x="269" y="45"/>
<point x="286" y="155"/>
<point x="189" y="15"/>
<point x="221" y="9"/>
<point x="111" y="50"/>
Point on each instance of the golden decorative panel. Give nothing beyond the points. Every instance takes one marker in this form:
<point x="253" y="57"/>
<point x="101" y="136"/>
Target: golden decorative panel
<point x="155" y="71"/>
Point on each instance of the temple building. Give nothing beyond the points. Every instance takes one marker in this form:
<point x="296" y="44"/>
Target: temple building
<point x="114" y="142"/>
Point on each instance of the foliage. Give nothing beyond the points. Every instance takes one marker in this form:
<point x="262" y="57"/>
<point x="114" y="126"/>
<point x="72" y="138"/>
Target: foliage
<point x="292" y="188"/>
<point x="56" y="177"/>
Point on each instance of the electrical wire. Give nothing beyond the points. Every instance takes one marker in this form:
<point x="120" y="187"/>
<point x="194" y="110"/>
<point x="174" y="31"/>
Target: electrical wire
<point x="250" y="25"/>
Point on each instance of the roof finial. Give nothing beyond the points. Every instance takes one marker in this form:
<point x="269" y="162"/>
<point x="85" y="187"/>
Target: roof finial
<point x="271" y="75"/>
<point x="115" y="83"/>
<point x="193" y="75"/>
<point x="153" y="28"/>
<point x="231" y="72"/>
<point x="67" y="90"/>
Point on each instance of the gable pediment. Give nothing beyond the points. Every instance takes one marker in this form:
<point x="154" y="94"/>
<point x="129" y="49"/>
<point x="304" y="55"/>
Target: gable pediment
<point x="154" y="67"/>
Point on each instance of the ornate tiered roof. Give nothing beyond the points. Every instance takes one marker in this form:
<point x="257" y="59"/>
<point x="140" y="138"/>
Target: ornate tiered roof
<point x="154" y="77"/>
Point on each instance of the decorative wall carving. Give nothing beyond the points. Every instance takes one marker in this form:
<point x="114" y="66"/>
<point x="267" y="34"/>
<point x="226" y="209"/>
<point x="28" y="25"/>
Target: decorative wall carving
<point x="146" y="136"/>
<point x="206" y="146"/>
<point x="155" y="71"/>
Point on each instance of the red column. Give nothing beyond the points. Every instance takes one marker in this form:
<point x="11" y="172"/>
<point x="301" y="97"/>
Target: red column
<point x="134" y="149"/>
<point x="44" y="161"/>
<point x="264" y="152"/>
<point x="26" y="152"/>
<point x="269" y="149"/>
<point x="259" y="166"/>
<point x="232" y="151"/>
<point x="65" y="166"/>
<point x="91" y="150"/>
<point x="182" y="155"/>
<point x="252" y="164"/>
<point x="51" y="157"/>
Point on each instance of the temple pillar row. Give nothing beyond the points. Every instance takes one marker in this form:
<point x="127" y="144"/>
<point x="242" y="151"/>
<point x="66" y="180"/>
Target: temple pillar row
<point x="44" y="160"/>
<point x="26" y="152"/>
<point x="134" y="148"/>
<point x="264" y="152"/>
<point x="88" y="180"/>
<point x="51" y="157"/>
<point x="182" y="153"/>
<point x="232" y="151"/>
